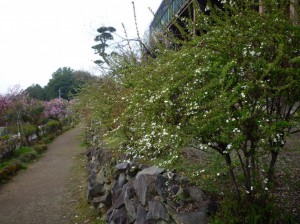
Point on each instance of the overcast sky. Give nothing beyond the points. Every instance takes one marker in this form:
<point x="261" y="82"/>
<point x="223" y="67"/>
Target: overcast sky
<point x="39" y="36"/>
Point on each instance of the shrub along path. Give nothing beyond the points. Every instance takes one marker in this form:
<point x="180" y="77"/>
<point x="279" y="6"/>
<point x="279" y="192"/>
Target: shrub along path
<point x="41" y="194"/>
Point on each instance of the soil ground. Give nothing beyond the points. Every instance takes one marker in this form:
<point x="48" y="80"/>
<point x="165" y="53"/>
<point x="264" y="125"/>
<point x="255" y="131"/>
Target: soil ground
<point x="41" y="194"/>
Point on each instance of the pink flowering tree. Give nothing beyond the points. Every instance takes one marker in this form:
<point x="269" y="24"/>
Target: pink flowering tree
<point x="9" y="107"/>
<point x="32" y="112"/>
<point x="25" y="114"/>
<point x="5" y="103"/>
<point x="56" y="109"/>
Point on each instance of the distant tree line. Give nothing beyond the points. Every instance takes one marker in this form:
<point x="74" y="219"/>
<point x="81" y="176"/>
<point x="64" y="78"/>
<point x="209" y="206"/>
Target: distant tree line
<point x="65" y="83"/>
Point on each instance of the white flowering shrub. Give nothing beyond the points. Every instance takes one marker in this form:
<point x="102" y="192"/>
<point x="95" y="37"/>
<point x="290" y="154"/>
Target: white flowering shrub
<point x="234" y="90"/>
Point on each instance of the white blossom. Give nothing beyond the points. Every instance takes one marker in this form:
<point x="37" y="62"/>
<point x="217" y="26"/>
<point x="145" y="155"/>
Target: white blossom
<point x="236" y="130"/>
<point x="229" y="146"/>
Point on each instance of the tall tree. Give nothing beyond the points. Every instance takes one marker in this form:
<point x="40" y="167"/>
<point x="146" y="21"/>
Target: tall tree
<point x="82" y="78"/>
<point x="36" y="91"/>
<point x="105" y="35"/>
<point x="61" y="85"/>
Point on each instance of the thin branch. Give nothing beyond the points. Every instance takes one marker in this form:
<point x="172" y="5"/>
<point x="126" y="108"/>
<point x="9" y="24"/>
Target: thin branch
<point x="294" y="132"/>
<point x="142" y="44"/>
<point x="243" y="166"/>
<point x="125" y="33"/>
<point x="232" y="175"/>
<point x="295" y="110"/>
<point x="135" y="21"/>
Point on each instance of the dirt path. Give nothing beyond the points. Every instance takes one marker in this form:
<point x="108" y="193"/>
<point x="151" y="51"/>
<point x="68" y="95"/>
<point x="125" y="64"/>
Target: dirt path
<point x="40" y="194"/>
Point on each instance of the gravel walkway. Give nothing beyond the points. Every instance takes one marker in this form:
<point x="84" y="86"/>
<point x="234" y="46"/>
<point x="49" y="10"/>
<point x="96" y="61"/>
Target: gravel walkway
<point x="40" y="194"/>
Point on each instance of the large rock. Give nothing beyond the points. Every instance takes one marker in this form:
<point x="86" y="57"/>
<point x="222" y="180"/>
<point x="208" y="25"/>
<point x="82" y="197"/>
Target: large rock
<point x="161" y="186"/>
<point x="122" y="166"/>
<point x="95" y="191"/>
<point x="121" y="180"/>
<point x="192" y="217"/>
<point x="101" y="176"/>
<point x="141" y="215"/>
<point x="195" y="193"/>
<point x="152" y="170"/>
<point x="130" y="204"/>
<point x="105" y="199"/>
<point x="157" y="211"/>
<point x="117" y="216"/>
<point x="144" y="186"/>
<point x="118" y="198"/>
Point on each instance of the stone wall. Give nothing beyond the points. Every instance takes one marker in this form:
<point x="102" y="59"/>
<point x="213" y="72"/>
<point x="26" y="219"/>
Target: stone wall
<point x="130" y="192"/>
<point x="8" y="146"/>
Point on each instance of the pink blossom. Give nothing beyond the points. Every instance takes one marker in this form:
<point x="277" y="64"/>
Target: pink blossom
<point x="5" y="103"/>
<point x="56" y="108"/>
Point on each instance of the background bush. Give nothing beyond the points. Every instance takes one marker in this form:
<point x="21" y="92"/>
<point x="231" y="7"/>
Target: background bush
<point x="53" y="126"/>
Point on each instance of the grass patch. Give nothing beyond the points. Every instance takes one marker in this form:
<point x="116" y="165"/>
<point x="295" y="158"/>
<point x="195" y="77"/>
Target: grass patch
<point x="40" y="148"/>
<point x="3" y="164"/>
<point x="84" y="143"/>
<point x="84" y="212"/>
<point x="20" y="160"/>
<point x="46" y="140"/>
<point x="22" y="150"/>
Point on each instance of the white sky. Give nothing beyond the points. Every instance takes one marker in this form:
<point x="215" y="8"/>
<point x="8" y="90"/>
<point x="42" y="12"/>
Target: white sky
<point x="39" y="36"/>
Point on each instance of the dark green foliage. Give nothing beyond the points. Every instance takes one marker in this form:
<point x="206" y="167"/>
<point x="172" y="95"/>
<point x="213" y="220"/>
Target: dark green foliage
<point x="22" y="150"/>
<point x="46" y="140"/>
<point x="9" y="170"/>
<point x="61" y="83"/>
<point x="66" y="82"/>
<point x="40" y="148"/>
<point x="20" y="158"/>
<point x="28" y="157"/>
<point x="105" y="35"/>
<point x="82" y="78"/>
<point x="36" y="91"/>
<point x="28" y="129"/>
<point x="53" y="126"/>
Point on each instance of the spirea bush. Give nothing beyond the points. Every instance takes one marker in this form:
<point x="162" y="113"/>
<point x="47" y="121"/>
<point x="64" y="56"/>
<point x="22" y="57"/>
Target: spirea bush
<point x="233" y="89"/>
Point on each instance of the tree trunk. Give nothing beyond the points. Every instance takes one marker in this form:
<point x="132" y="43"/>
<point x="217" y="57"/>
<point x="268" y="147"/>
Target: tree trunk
<point x="232" y="175"/>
